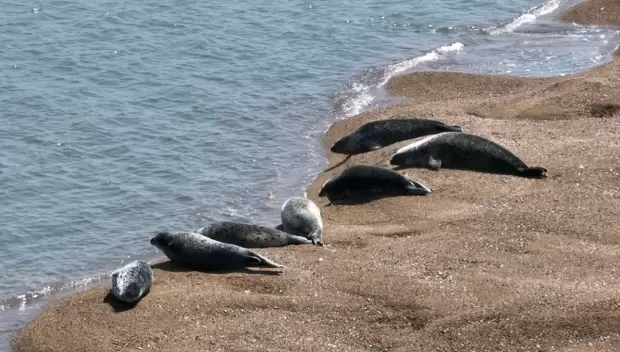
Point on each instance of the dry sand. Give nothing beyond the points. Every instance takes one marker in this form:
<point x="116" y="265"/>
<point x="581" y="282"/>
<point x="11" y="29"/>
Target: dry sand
<point x="485" y="263"/>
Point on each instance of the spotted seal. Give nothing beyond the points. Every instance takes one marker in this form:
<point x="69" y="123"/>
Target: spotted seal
<point x="366" y="181"/>
<point x="132" y="282"/>
<point x="195" y="251"/>
<point x="459" y="150"/>
<point x="249" y="235"/>
<point x="378" y="134"/>
<point x="301" y="216"/>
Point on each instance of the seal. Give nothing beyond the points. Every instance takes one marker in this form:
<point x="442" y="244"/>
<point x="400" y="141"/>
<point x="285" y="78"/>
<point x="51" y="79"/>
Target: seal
<point x="459" y="150"/>
<point x="132" y="282"/>
<point x="198" y="252"/>
<point x="302" y="217"/>
<point x="250" y="236"/>
<point x="378" y="134"/>
<point x="366" y="181"/>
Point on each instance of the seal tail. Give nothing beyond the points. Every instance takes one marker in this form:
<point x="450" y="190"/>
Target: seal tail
<point x="533" y="172"/>
<point x="315" y="237"/>
<point x="454" y="128"/>
<point x="255" y="259"/>
<point x="418" y="188"/>
<point x="294" y="239"/>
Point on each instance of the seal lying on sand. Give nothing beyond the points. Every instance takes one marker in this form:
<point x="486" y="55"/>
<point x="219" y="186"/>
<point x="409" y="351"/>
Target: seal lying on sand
<point x="250" y="236"/>
<point x="302" y="217"/>
<point x="195" y="251"/>
<point x="132" y="282"/>
<point x="378" y="134"/>
<point x="363" y="181"/>
<point x="457" y="150"/>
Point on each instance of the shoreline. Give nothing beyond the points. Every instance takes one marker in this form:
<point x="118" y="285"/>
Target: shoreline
<point x="485" y="104"/>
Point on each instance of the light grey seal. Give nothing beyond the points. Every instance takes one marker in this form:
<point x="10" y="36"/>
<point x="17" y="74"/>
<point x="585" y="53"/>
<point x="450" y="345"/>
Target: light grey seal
<point x="302" y="217"/>
<point x="198" y="252"/>
<point x="366" y="181"/>
<point x="132" y="282"/>
<point x="459" y="150"/>
<point x="378" y="134"/>
<point x="250" y="236"/>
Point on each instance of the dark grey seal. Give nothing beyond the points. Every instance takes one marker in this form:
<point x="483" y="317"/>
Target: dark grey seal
<point x="132" y="282"/>
<point x="302" y="217"/>
<point x="365" y="181"/>
<point x="378" y="134"/>
<point x="198" y="252"/>
<point x="250" y="236"/>
<point x="458" y="150"/>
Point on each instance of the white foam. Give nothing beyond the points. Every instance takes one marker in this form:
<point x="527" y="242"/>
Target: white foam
<point x="21" y="301"/>
<point x="434" y="55"/>
<point x="362" y="99"/>
<point x="528" y="17"/>
<point x="362" y="92"/>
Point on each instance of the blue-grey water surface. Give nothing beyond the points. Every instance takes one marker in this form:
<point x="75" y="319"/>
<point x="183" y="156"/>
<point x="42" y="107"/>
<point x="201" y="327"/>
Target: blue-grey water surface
<point x="121" y="118"/>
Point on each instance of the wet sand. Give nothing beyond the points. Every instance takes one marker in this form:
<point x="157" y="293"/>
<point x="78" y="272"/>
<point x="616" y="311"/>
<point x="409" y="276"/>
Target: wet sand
<point x="484" y="263"/>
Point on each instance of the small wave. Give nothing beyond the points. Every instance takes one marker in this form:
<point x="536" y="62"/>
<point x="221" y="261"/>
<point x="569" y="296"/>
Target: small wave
<point x="360" y="93"/>
<point x="361" y="97"/>
<point x="53" y="291"/>
<point x="22" y="301"/>
<point x="434" y="55"/>
<point x="528" y="17"/>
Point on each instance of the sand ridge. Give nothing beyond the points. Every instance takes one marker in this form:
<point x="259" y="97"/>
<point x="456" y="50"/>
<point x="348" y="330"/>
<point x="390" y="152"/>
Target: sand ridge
<point x="484" y="263"/>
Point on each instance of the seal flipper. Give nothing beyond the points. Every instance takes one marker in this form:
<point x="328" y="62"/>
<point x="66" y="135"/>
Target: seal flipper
<point x="373" y="145"/>
<point x="255" y="259"/>
<point x="418" y="188"/>
<point x="434" y="164"/>
<point x="533" y="172"/>
<point x="280" y="227"/>
<point x="252" y="261"/>
<point x="315" y="237"/>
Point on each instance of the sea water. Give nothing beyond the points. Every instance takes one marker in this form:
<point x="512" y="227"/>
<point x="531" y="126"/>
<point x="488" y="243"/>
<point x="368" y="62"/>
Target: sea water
<point x="123" y="118"/>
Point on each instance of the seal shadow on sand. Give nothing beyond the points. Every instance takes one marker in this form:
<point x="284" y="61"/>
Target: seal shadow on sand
<point x="485" y="171"/>
<point x="119" y="306"/>
<point x="359" y="200"/>
<point x="175" y="267"/>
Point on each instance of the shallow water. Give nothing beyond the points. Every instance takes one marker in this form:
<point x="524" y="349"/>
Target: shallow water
<point x="124" y="118"/>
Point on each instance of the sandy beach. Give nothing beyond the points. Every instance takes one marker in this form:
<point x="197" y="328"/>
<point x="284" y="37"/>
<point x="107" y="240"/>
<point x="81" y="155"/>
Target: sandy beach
<point x="484" y="263"/>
